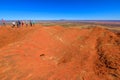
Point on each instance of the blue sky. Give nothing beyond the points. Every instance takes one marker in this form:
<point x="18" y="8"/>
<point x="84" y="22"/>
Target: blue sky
<point x="60" y="9"/>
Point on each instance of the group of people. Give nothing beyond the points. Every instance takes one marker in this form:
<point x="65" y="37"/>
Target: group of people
<point x="22" y="23"/>
<point x="18" y="23"/>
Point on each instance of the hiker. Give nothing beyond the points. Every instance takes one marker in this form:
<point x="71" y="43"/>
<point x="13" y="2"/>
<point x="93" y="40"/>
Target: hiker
<point x="3" y="22"/>
<point x="26" y="23"/>
<point x="22" y="23"/>
<point x="13" y="24"/>
<point x="30" y="23"/>
<point x="33" y="23"/>
<point x="18" y="24"/>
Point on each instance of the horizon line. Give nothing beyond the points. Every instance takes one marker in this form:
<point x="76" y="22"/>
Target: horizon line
<point x="65" y="19"/>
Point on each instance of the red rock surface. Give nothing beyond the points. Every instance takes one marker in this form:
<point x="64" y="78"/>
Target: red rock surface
<point x="57" y="53"/>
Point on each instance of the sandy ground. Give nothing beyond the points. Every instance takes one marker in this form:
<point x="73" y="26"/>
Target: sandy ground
<point x="58" y="53"/>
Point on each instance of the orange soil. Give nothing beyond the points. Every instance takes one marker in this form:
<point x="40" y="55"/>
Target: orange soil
<point x="57" y="53"/>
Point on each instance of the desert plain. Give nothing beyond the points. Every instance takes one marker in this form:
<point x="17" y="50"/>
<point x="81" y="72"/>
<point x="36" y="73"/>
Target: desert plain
<point x="60" y="51"/>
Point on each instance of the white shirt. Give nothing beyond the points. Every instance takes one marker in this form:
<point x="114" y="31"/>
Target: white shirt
<point x="13" y="23"/>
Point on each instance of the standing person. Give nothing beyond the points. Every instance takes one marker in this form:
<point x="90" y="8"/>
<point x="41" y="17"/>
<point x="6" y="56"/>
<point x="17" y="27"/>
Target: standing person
<point x="3" y="22"/>
<point x="13" y="24"/>
<point x="30" y="23"/>
<point x="33" y="23"/>
<point x="22" y="23"/>
<point x="18" y="24"/>
<point x="26" y="22"/>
